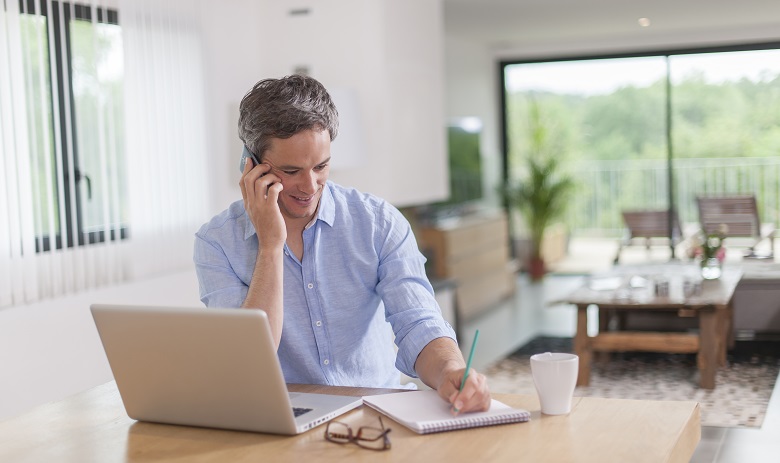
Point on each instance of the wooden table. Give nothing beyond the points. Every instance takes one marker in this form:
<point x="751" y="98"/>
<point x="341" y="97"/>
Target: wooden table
<point x="93" y="427"/>
<point x="712" y="305"/>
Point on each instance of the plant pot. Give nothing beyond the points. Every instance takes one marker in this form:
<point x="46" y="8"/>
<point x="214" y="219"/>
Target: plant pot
<point x="536" y="268"/>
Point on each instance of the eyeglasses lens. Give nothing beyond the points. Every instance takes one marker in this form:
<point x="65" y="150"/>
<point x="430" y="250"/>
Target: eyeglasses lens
<point x="338" y="432"/>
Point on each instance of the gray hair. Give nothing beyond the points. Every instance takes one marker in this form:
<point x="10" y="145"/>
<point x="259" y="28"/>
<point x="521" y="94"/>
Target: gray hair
<point x="281" y="108"/>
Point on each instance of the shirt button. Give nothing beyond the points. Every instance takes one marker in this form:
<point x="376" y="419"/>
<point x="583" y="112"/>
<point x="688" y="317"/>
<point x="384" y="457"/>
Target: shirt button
<point x="319" y="323"/>
<point x="326" y="362"/>
<point x="310" y="285"/>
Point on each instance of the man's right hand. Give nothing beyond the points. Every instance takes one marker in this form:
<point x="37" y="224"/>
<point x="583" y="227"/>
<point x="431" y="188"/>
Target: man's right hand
<point x="260" y="189"/>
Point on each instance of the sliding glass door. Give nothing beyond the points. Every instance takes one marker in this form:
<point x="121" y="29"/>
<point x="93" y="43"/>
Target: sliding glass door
<point x="624" y="126"/>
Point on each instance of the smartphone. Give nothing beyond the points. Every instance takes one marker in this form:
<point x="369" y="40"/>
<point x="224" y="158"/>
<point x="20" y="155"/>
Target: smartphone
<point x="244" y="155"/>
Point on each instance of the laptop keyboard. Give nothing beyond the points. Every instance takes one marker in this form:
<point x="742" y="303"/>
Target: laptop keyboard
<point x="298" y="411"/>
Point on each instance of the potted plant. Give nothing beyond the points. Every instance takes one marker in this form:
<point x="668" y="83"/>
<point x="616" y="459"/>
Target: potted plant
<point x="542" y="193"/>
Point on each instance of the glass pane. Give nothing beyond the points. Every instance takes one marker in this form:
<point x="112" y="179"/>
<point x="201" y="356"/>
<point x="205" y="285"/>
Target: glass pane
<point x="463" y="139"/>
<point x="35" y="57"/>
<point x="726" y="128"/>
<point x="604" y="120"/>
<point x="97" y="61"/>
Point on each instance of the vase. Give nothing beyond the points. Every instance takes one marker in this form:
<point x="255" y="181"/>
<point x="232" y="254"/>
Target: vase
<point x="710" y="268"/>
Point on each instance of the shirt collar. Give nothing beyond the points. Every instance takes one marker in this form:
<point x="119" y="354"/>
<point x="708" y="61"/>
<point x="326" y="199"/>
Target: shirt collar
<point x="326" y="211"/>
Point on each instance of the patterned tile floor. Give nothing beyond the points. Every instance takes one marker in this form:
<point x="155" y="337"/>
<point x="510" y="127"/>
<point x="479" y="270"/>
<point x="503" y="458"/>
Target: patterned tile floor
<point x="739" y="400"/>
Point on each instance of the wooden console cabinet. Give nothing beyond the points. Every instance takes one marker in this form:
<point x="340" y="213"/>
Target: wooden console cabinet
<point x="474" y="251"/>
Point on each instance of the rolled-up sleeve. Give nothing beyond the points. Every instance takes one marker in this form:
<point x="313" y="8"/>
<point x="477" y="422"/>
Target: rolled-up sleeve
<point x="410" y="305"/>
<point x="219" y="285"/>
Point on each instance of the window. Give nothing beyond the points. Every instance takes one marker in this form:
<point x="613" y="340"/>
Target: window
<point x="726" y="127"/>
<point x="73" y="77"/>
<point x="652" y="131"/>
<point x="77" y="95"/>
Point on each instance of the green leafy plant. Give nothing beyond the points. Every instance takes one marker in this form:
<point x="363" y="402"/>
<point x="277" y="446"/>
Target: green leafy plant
<point x="541" y="197"/>
<point x="543" y="191"/>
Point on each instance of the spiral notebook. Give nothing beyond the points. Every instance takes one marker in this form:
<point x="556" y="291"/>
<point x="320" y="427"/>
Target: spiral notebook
<point x="425" y="412"/>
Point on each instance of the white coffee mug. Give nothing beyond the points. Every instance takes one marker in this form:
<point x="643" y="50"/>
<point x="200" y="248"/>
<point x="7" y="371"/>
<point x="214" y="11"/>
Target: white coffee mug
<point x="555" y="377"/>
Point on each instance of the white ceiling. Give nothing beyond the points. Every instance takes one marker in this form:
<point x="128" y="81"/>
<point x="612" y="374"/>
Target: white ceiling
<point x="507" y="26"/>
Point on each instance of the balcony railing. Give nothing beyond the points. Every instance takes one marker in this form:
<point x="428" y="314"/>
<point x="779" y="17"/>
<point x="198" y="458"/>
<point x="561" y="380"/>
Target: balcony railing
<point x="608" y="187"/>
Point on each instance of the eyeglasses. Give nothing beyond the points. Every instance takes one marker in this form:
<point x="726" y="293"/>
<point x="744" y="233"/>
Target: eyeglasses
<point x="367" y="437"/>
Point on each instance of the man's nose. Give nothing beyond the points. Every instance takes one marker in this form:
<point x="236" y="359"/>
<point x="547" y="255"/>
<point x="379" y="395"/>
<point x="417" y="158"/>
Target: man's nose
<point x="309" y="183"/>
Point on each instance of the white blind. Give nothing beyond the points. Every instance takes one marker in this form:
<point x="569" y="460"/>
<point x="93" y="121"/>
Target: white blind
<point x="102" y="140"/>
<point x="165" y="131"/>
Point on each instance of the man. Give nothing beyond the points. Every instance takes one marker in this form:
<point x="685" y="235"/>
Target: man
<point x="322" y="260"/>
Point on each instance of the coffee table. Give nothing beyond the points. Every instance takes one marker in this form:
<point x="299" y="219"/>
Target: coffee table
<point x="635" y="289"/>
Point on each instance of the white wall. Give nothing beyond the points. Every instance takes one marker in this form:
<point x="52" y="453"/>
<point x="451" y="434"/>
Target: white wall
<point x="667" y="40"/>
<point x="390" y="54"/>
<point x="233" y="53"/>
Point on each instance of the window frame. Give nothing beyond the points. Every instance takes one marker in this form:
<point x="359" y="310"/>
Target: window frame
<point x="663" y="53"/>
<point x="70" y="11"/>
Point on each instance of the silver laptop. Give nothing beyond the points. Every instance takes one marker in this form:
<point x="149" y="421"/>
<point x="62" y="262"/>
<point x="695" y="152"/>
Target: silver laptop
<point x="214" y="368"/>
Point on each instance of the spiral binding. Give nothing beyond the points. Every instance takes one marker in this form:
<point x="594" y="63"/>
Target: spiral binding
<point x="463" y="423"/>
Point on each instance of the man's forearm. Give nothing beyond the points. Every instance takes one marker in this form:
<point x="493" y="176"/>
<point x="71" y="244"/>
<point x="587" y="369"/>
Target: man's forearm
<point x="436" y="359"/>
<point x="266" y="290"/>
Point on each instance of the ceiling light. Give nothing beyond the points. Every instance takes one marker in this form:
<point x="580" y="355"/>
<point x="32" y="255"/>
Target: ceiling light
<point x="644" y="22"/>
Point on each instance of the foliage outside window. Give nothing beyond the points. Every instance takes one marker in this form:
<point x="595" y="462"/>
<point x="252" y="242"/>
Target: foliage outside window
<point x="616" y="116"/>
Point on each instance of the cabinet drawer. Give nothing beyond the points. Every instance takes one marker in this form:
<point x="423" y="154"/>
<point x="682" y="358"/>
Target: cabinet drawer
<point x="479" y="263"/>
<point x="475" y="252"/>
<point x="477" y="237"/>
<point x="450" y="246"/>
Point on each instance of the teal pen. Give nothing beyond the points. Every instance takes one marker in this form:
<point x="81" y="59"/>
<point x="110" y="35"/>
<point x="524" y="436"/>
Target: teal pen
<point x="468" y="363"/>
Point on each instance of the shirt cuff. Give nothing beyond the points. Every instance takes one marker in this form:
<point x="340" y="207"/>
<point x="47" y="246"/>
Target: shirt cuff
<point x="413" y="343"/>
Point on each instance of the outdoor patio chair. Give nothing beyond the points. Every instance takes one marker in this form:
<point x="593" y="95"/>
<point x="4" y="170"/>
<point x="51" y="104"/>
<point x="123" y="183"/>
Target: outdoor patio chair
<point x="648" y="225"/>
<point x="740" y="214"/>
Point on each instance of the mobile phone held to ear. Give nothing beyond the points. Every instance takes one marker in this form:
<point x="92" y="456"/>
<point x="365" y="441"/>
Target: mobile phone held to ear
<point x="244" y="155"/>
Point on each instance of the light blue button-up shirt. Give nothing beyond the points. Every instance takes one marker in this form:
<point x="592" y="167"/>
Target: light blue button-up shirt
<point x="361" y="269"/>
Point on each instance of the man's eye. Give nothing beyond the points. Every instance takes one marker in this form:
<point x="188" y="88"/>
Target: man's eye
<point x="321" y="167"/>
<point x="290" y="172"/>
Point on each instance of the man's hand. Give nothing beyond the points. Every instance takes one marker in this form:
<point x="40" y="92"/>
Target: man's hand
<point x="475" y="396"/>
<point x="260" y="189"/>
<point x="440" y="365"/>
